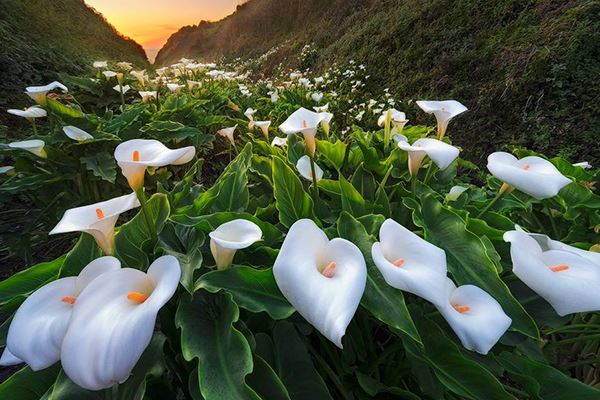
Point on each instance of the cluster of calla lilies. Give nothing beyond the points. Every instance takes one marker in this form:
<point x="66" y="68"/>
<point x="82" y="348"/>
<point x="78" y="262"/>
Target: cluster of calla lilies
<point x="99" y="323"/>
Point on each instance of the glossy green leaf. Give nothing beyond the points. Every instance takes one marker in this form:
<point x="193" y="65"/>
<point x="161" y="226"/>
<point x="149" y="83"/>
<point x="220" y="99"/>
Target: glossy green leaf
<point x="266" y="382"/>
<point x="352" y="200"/>
<point x="84" y="252"/>
<point x="291" y="200"/>
<point x="28" y="280"/>
<point x="102" y="165"/>
<point x="28" y="385"/>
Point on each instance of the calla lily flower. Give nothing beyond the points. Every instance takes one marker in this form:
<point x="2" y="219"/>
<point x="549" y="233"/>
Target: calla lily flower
<point x="134" y="156"/>
<point x="410" y="263"/>
<point x="33" y="146"/>
<point x="109" y="74"/>
<point x="441" y="153"/>
<point x="326" y="121"/>
<point x="76" y="134"/>
<point x="228" y="134"/>
<point x="100" y="64"/>
<point x="264" y="127"/>
<point x="230" y="237"/>
<point x="303" y="166"/>
<point x="567" y="277"/>
<point x="147" y="96"/>
<point x="455" y="192"/>
<point x="583" y="164"/>
<point x="121" y="89"/>
<point x="476" y="317"/>
<point x="124" y="65"/>
<point x="140" y="76"/>
<point x="444" y="111"/>
<point x="37" y="330"/>
<point x="323" y="279"/>
<point x="193" y="84"/>
<point x="398" y="119"/>
<point x="249" y="113"/>
<point x="531" y="175"/>
<point x="279" y="141"/>
<point x="174" y="87"/>
<point x="97" y="219"/>
<point x="317" y="97"/>
<point x="322" y="109"/>
<point x="38" y="93"/>
<point x="113" y="321"/>
<point x="29" y="113"/>
<point x="306" y="122"/>
<point x="6" y="169"/>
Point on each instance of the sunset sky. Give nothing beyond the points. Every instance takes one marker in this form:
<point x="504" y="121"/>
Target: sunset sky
<point x="151" y="22"/>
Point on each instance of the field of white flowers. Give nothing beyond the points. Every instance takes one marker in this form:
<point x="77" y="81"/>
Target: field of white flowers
<point x="288" y="238"/>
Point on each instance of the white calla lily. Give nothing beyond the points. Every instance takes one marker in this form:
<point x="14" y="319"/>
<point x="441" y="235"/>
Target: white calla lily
<point x="305" y="122"/>
<point x="321" y="109"/>
<point x="76" y="134"/>
<point x="303" y="166"/>
<point x="97" y="219"/>
<point x="249" y="113"/>
<point x="140" y="76"/>
<point x="317" y="97"/>
<point x="476" y="317"/>
<point x="228" y="133"/>
<point x="444" y="111"/>
<point x="455" y="192"/>
<point x="29" y="113"/>
<point x="174" y="87"/>
<point x="100" y="64"/>
<point x="125" y="65"/>
<point x="279" y="141"/>
<point x="113" y="321"/>
<point x="134" y="156"/>
<point x="38" y="93"/>
<point x="7" y="169"/>
<point x="410" y="263"/>
<point x="109" y="74"/>
<point x="441" y="153"/>
<point x="567" y="277"/>
<point x="326" y="118"/>
<point x="264" y="127"/>
<point x="583" y="164"/>
<point x="398" y="119"/>
<point x="323" y="279"/>
<point x="147" y="96"/>
<point x="532" y="175"/>
<point x="37" y="330"/>
<point x="121" y="89"/>
<point x="34" y="146"/>
<point x="230" y="237"/>
<point x="193" y="84"/>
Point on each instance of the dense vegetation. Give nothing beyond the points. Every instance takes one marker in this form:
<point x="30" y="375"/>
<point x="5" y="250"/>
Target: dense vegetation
<point x="42" y="38"/>
<point x="526" y="69"/>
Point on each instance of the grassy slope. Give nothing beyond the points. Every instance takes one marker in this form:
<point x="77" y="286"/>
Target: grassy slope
<point x="40" y="38"/>
<point x="527" y="69"/>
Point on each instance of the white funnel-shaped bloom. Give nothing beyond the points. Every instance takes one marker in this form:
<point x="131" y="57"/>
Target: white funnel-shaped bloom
<point x="134" y="156"/>
<point x="455" y="192"/>
<point x="38" y="93"/>
<point x="568" y="278"/>
<point x="305" y="122"/>
<point x="531" y="175"/>
<point x="29" y="113"/>
<point x="410" y="263"/>
<point x="228" y="134"/>
<point x="398" y="119"/>
<point x="34" y="146"/>
<point x="279" y="141"/>
<point x="230" y="237"/>
<point x="76" y="134"/>
<point x="323" y="279"/>
<point x="147" y="96"/>
<point x="441" y="153"/>
<point x="264" y="127"/>
<point x="97" y="219"/>
<point x="444" y="111"/>
<point x="113" y="321"/>
<point x="303" y="166"/>
<point x="37" y="330"/>
<point x="476" y="317"/>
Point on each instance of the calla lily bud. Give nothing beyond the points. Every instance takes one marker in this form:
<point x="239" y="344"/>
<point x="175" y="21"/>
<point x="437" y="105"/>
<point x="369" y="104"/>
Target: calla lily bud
<point x="532" y="175"/>
<point x="455" y="192"/>
<point x="230" y="237"/>
<point x="444" y="111"/>
<point x="441" y="153"/>
<point x="323" y="279"/>
<point x="134" y="156"/>
<point x="76" y="134"/>
<point x="37" y="330"/>
<point x="33" y="146"/>
<point x="567" y="277"/>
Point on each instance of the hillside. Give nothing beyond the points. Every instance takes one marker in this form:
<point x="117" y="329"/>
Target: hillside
<point x="42" y="38"/>
<point x="527" y="69"/>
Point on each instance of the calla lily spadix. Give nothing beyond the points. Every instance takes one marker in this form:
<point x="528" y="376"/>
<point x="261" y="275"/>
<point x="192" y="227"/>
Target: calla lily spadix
<point x="444" y="111"/>
<point x="97" y="219"/>
<point x="37" y="330"/>
<point x="410" y="263"/>
<point x="323" y="279"/>
<point x="34" y="146"/>
<point x="29" y="113"/>
<point x="38" y="93"/>
<point x="113" y="321"/>
<point x="279" y="141"/>
<point x="568" y="278"/>
<point x="441" y="153"/>
<point x="134" y="156"/>
<point x="264" y="127"/>
<point x="303" y="166"/>
<point x="228" y="133"/>
<point x="476" y="317"/>
<point x="147" y="96"/>
<point x="76" y="134"/>
<point x="531" y="175"/>
<point x="230" y="237"/>
<point x="305" y="122"/>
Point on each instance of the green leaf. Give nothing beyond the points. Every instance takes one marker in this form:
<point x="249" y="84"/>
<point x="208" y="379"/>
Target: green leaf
<point x="252" y="289"/>
<point x="28" y="385"/>
<point x="373" y="387"/>
<point x="352" y="200"/>
<point x="291" y="200"/>
<point x="208" y="334"/>
<point x="266" y="382"/>
<point x="333" y="152"/>
<point x="383" y="301"/>
<point x="63" y="110"/>
<point x="364" y="182"/>
<point x="102" y="165"/>
<point x="84" y="252"/>
<point x="468" y="259"/>
<point x="26" y="281"/>
<point x="133" y="241"/>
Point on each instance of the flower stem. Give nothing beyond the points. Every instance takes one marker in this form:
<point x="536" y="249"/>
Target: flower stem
<point x="144" y="204"/>
<point x="413" y="184"/>
<point x="491" y="203"/>
<point x="429" y="173"/>
<point x="35" y="131"/>
<point x="315" y="189"/>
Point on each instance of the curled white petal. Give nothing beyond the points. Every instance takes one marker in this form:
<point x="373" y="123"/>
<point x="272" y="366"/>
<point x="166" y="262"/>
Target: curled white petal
<point x="441" y="153"/>
<point x="33" y="146"/>
<point x="455" y="192"/>
<point x="303" y="166"/>
<point x="279" y="141"/>
<point x="31" y="112"/>
<point x="444" y="111"/>
<point x="76" y="134"/>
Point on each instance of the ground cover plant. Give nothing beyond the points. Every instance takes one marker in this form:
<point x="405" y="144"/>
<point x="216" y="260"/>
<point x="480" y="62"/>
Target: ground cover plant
<point x="288" y="238"/>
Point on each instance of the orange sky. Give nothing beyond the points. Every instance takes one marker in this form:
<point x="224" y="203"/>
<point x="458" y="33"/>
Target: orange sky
<point x="151" y="22"/>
